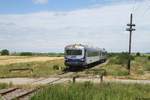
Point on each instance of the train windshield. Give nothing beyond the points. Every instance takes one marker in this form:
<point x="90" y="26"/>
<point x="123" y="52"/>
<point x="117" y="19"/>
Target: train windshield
<point x="73" y="52"/>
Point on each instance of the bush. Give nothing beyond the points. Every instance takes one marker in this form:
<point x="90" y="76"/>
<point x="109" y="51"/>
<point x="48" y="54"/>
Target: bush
<point x="121" y="58"/>
<point x="5" y="52"/>
<point x="26" y="54"/>
<point x="55" y="67"/>
<point x="138" y="54"/>
<point x="116" y="70"/>
<point x="3" y="86"/>
<point x="112" y="54"/>
<point x="148" y="57"/>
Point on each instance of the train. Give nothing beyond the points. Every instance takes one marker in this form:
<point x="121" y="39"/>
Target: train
<point x="83" y="55"/>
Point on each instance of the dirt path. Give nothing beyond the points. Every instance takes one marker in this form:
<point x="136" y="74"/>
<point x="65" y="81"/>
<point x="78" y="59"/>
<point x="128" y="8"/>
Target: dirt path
<point x="37" y="81"/>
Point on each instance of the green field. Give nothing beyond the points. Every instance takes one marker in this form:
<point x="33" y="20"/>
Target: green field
<point x="89" y="91"/>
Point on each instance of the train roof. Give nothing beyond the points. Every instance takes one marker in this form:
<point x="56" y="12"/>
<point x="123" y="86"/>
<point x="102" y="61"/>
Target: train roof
<point x="72" y="46"/>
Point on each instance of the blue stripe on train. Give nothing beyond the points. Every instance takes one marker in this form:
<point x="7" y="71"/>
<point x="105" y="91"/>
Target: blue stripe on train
<point x="75" y="60"/>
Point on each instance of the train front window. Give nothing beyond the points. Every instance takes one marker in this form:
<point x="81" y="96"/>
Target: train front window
<point x="73" y="52"/>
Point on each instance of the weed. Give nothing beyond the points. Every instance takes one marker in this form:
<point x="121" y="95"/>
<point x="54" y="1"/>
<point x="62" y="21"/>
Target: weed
<point x="55" y="67"/>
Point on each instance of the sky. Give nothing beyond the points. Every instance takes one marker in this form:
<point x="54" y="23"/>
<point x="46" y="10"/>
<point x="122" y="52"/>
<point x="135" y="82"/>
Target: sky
<point x="50" y="25"/>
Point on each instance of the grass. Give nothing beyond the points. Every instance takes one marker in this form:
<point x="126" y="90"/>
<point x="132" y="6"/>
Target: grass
<point x="89" y="91"/>
<point x="40" y="69"/>
<point x="3" y="85"/>
<point x="6" y="60"/>
<point x="116" y="70"/>
<point x="12" y="57"/>
<point x="140" y="67"/>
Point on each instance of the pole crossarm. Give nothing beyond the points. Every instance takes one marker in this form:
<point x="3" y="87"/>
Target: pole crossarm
<point x="130" y="29"/>
<point x="131" y="25"/>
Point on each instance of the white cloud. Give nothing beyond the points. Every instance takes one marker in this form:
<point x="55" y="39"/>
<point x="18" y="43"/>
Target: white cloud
<point x="40" y="1"/>
<point x="51" y="31"/>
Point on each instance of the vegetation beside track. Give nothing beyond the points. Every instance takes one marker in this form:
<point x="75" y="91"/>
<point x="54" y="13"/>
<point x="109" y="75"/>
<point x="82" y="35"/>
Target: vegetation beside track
<point x="38" y="69"/>
<point x="3" y="85"/>
<point x="89" y="91"/>
<point x="117" y="66"/>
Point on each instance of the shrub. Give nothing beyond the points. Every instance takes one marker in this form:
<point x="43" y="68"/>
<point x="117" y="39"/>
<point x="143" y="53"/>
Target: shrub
<point x="148" y="57"/>
<point x="26" y="54"/>
<point x="138" y="54"/>
<point x="116" y="70"/>
<point x="147" y="66"/>
<point x="112" y="54"/>
<point x="5" y="52"/>
<point x="3" y="85"/>
<point x="55" y="67"/>
<point x="121" y="58"/>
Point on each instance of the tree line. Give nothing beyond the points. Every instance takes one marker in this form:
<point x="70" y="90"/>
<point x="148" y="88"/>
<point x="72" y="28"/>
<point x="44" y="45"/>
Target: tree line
<point x="5" y="52"/>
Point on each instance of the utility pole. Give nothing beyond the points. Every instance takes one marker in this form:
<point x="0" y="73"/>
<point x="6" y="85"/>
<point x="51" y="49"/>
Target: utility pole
<point x="130" y="29"/>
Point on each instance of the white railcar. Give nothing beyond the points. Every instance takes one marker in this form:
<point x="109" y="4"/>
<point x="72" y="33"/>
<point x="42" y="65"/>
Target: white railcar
<point x="83" y="55"/>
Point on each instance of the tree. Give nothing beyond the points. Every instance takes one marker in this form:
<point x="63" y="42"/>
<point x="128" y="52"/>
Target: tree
<point x="5" y="52"/>
<point x="26" y="54"/>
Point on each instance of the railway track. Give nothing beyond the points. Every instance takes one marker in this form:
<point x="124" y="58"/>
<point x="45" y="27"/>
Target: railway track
<point x="16" y="93"/>
<point x="23" y="94"/>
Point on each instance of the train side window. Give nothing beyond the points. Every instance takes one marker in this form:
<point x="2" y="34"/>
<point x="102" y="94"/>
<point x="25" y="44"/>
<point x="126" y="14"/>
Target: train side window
<point x="92" y="53"/>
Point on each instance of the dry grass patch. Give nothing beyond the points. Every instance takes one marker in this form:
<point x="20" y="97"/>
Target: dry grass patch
<point x="6" y="60"/>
